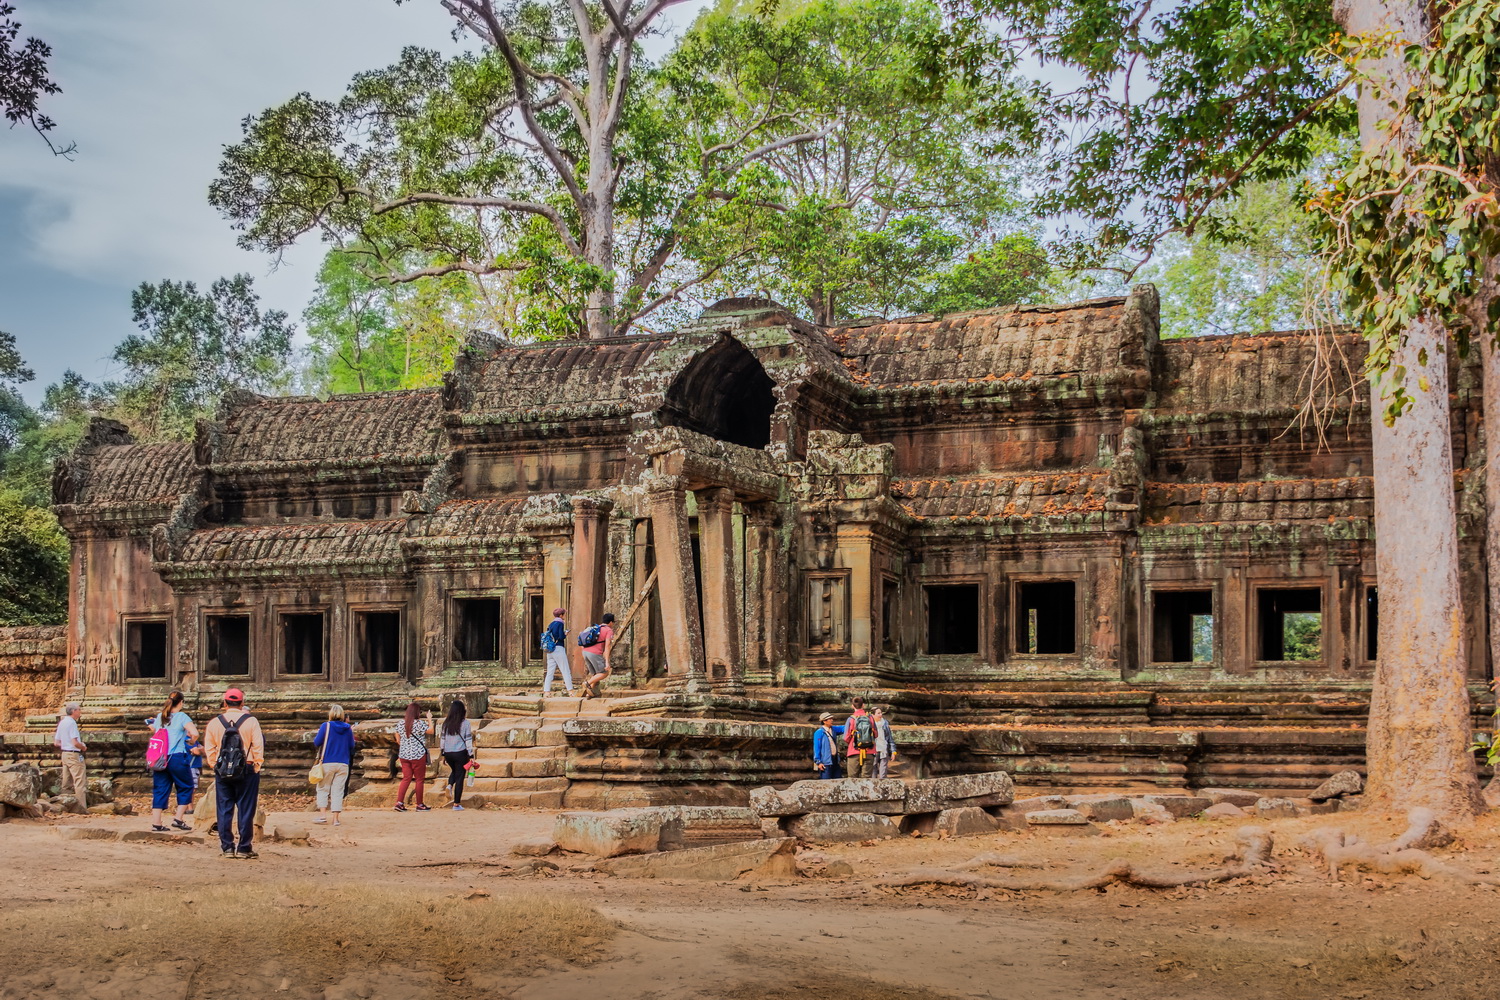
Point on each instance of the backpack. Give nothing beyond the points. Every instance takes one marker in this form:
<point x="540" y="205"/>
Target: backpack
<point x="590" y="636"/>
<point x="548" y="642"/>
<point x="232" y="763"/>
<point x="158" y="749"/>
<point x="864" y="732"/>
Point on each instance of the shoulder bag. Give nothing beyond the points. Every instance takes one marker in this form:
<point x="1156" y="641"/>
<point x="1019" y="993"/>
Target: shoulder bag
<point x="315" y="775"/>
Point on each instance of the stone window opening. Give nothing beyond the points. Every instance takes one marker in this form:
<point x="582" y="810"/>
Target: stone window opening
<point x="724" y="393"/>
<point x="302" y="642"/>
<point x="377" y="641"/>
<point x="1291" y="624"/>
<point x="1046" y="617"/>
<point x="1372" y="623"/>
<point x="952" y="619"/>
<point x="146" y="650"/>
<point x="890" y="618"/>
<point x="226" y="645"/>
<point x="1183" y="626"/>
<point x="827" y="613"/>
<point x="537" y="619"/>
<point x="476" y="628"/>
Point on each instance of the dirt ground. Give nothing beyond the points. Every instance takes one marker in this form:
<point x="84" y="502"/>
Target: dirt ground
<point x="425" y="905"/>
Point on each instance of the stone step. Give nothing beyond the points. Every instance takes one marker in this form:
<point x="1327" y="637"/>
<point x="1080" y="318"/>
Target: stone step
<point x="485" y="783"/>
<point x="523" y="800"/>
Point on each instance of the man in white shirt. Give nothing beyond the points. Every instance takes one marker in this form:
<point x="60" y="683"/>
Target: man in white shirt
<point x="70" y="743"/>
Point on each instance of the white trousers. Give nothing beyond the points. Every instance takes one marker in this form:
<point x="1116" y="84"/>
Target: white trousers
<point x="557" y="662"/>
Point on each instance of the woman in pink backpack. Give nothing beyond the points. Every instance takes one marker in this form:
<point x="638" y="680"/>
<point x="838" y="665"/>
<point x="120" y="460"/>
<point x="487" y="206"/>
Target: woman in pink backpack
<point x="176" y="730"/>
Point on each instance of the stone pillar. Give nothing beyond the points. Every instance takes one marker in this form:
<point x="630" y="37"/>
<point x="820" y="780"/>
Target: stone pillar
<point x="590" y="547"/>
<point x="1238" y="634"/>
<point x="759" y="540"/>
<point x="721" y="616"/>
<point x="677" y="583"/>
<point x="855" y="548"/>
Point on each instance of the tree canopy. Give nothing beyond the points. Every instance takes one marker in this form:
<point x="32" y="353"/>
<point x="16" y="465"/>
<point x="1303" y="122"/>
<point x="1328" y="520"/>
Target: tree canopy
<point x="25" y="79"/>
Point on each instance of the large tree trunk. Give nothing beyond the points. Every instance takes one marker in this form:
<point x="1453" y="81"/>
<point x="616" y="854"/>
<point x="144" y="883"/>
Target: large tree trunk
<point x="1489" y="356"/>
<point x="1418" y="748"/>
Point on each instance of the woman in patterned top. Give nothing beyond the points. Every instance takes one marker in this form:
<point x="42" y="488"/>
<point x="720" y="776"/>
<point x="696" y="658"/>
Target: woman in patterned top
<point x="412" y="732"/>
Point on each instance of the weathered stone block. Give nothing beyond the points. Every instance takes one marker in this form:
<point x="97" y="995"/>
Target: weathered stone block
<point x="697" y="826"/>
<point x="1061" y="823"/>
<point x="1234" y="796"/>
<point x="966" y="821"/>
<point x="550" y="767"/>
<point x="841" y="828"/>
<point x="101" y="789"/>
<point x="990" y="788"/>
<point x="87" y="833"/>
<point x="1275" y="808"/>
<point x="1102" y="808"/>
<point x="869" y="795"/>
<point x="1150" y="813"/>
<point x="609" y="834"/>
<point x="1180" y="806"/>
<point x="1039" y="802"/>
<point x="1224" y="810"/>
<point x="719" y="862"/>
<point x="20" y="785"/>
<point x="158" y="837"/>
<point x="539" y="847"/>
<point x="1336" y="787"/>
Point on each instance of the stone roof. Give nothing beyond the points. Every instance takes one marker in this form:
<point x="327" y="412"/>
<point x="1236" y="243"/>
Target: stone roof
<point x="993" y="345"/>
<point x="136" y="474"/>
<point x="1268" y="372"/>
<point x="403" y="427"/>
<point x="993" y="498"/>
<point x="572" y="375"/>
<point x="1267" y="500"/>
<point x="286" y="548"/>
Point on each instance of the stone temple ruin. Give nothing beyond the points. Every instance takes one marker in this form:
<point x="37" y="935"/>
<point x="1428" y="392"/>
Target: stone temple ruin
<point x="1050" y="541"/>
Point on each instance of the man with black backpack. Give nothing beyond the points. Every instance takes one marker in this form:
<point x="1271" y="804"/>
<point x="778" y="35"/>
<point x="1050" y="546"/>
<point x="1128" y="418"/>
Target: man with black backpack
<point x="859" y="731"/>
<point x="235" y="749"/>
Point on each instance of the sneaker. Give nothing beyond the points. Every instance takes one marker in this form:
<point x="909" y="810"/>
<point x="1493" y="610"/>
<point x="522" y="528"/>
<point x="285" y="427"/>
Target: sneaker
<point x="458" y="807"/>
<point x="320" y="819"/>
<point x="247" y="853"/>
<point x="178" y="824"/>
<point x="424" y="808"/>
<point x="401" y="807"/>
<point x="229" y="854"/>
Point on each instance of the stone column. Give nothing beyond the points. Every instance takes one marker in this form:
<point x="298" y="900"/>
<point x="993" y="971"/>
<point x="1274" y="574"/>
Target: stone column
<point x="677" y="583"/>
<point x="1238" y="627"/>
<point x="855" y="549"/>
<point x="759" y="540"/>
<point x="721" y="617"/>
<point x="590" y="546"/>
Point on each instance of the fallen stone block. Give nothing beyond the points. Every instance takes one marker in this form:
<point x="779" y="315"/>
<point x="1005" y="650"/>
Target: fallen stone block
<point x="1275" y="808"/>
<point x="1336" y="787"/>
<point x="718" y="862"/>
<point x="865" y="795"/>
<point x="86" y="833"/>
<point x="158" y="837"/>
<point x="1102" y="808"/>
<point x="609" y="834"/>
<point x="1180" y="806"/>
<point x="285" y="830"/>
<point x="1037" y="803"/>
<point x="988" y="788"/>
<point x="1241" y="797"/>
<point x="1224" y="810"/>
<point x="841" y="828"/>
<point x="1150" y="813"/>
<point x="770" y="826"/>
<point x="1319" y="808"/>
<point x="699" y="826"/>
<point x="20" y="785"/>
<point x="965" y="821"/>
<point x="100" y="789"/>
<point x="538" y="848"/>
<point x="1061" y="823"/>
<point x="1350" y="803"/>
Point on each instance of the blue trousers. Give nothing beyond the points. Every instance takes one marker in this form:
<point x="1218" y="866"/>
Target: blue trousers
<point x="242" y="794"/>
<point x="831" y="771"/>
<point x="177" y="775"/>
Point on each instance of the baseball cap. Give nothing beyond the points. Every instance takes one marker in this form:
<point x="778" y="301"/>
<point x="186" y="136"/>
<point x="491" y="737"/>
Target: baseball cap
<point x="234" y="696"/>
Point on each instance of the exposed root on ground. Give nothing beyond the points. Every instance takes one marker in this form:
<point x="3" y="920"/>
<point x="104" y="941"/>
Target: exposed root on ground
<point x="1402" y="856"/>
<point x="1253" y="857"/>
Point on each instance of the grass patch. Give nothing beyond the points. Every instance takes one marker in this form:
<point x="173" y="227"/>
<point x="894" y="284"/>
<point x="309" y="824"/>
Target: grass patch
<point x="310" y="933"/>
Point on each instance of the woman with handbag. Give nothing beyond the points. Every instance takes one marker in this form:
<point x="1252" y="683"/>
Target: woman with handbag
<point x="335" y="743"/>
<point x="458" y="748"/>
<point x="411" y="733"/>
<point x="174" y="772"/>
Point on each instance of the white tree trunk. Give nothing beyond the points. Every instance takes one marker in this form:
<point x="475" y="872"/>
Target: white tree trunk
<point x="1419" y="734"/>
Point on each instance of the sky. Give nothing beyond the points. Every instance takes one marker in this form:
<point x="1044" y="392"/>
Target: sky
<point x="152" y="91"/>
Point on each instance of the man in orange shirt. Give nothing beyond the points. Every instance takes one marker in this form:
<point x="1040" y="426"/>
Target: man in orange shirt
<point x="235" y="749"/>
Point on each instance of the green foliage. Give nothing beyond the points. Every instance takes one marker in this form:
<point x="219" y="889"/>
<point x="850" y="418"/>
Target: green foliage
<point x="195" y="346"/>
<point x="1302" y="635"/>
<point x="355" y="343"/>
<point x="1414" y="229"/>
<point x="33" y="564"/>
<point x="1012" y="269"/>
<point x="25" y="80"/>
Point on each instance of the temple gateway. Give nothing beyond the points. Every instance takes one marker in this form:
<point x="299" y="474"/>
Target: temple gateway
<point x="1021" y="515"/>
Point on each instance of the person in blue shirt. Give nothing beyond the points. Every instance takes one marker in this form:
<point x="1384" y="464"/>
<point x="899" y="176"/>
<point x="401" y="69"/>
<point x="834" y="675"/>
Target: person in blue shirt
<point x="178" y="774"/>
<point x="335" y="743"/>
<point x="557" y="656"/>
<point x="826" y="747"/>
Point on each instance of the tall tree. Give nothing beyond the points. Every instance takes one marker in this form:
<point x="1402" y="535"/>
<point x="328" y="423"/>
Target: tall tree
<point x="25" y="80"/>
<point x="193" y="346"/>
<point x="14" y="413"/>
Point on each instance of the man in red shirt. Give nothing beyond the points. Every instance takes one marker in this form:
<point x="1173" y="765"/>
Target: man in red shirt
<point x="596" y="657"/>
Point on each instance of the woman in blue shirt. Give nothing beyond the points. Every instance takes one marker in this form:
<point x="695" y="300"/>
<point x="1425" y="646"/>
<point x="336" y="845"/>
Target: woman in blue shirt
<point x="335" y="740"/>
<point x="178" y="774"/>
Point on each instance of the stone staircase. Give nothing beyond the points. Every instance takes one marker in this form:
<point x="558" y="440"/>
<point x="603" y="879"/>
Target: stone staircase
<point x="521" y="756"/>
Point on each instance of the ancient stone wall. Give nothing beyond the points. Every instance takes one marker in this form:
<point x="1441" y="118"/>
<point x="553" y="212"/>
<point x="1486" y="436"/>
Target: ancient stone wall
<point x="32" y="663"/>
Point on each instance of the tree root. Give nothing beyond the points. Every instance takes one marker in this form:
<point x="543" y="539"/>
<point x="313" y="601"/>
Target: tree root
<point x="1254" y="856"/>
<point x="1402" y="856"/>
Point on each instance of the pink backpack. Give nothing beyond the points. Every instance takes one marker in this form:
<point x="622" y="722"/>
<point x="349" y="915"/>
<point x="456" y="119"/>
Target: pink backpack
<point x="158" y="749"/>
